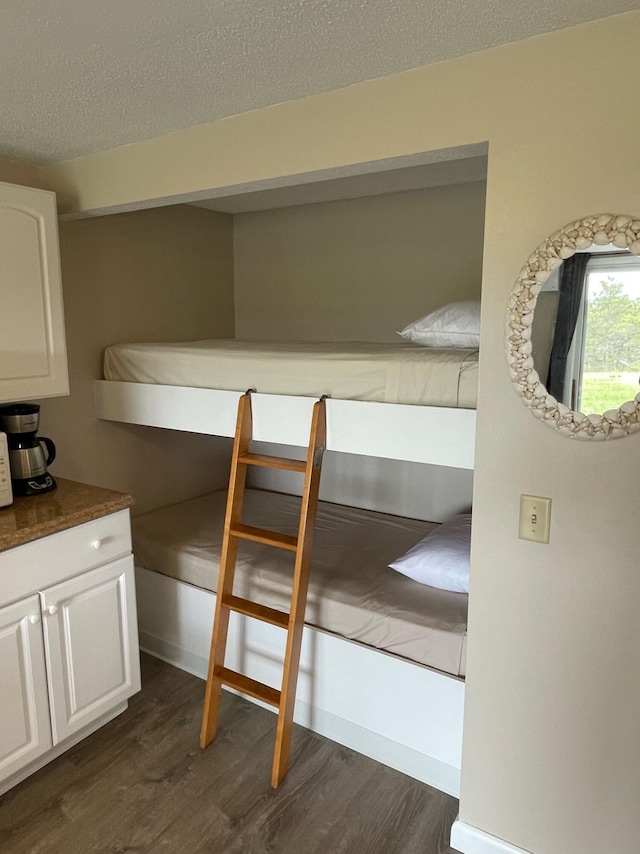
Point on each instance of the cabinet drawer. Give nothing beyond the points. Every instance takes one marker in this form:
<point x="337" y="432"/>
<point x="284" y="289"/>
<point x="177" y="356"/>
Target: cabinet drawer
<point x="33" y="566"/>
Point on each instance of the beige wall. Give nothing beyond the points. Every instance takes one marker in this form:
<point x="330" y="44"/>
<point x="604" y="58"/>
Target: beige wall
<point x="165" y="274"/>
<point x="12" y="172"/>
<point x="551" y="758"/>
<point x="359" y="269"/>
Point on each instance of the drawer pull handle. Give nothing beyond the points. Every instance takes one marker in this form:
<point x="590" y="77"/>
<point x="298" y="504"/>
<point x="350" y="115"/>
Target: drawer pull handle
<point x="34" y="619"/>
<point x="53" y="609"/>
<point x="97" y="544"/>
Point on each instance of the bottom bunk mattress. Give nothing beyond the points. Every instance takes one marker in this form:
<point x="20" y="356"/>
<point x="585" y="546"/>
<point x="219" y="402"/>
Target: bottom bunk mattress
<point x="388" y="373"/>
<point x="352" y="591"/>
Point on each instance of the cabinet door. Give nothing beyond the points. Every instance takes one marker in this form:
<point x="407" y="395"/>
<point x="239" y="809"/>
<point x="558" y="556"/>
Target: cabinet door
<point x="24" y="708"/>
<point x="33" y="360"/>
<point x="91" y="644"/>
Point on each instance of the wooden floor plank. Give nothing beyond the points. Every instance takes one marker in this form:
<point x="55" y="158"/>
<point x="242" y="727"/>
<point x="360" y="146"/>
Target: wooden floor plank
<point x="142" y="784"/>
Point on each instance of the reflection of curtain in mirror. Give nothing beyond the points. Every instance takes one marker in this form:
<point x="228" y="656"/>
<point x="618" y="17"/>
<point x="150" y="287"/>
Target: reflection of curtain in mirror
<point x="570" y="298"/>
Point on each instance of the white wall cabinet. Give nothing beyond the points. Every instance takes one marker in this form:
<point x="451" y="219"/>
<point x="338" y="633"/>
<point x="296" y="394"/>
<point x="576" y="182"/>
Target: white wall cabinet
<point x="68" y="647"/>
<point x="33" y="358"/>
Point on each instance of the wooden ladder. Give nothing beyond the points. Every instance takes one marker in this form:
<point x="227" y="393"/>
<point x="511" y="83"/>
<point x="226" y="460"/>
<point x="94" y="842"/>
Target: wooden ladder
<point x="293" y="622"/>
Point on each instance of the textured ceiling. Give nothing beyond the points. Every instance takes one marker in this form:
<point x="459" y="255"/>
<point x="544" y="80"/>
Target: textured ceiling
<point x="78" y="76"/>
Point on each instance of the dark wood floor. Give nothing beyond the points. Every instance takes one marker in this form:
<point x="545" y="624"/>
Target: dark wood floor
<point x="141" y="784"/>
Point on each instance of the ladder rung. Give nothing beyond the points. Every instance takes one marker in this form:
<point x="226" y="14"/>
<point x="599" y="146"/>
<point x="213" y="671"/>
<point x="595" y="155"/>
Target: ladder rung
<point x="261" y="535"/>
<point x="247" y="686"/>
<point x="273" y="462"/>
<point x="254" y="609"/>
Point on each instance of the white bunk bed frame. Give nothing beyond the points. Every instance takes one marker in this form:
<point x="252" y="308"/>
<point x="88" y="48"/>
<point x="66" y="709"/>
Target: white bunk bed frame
<point x="395" y="711"/>
<point x="438" y="435"/>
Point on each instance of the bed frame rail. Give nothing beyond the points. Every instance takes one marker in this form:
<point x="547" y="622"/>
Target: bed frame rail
<point x="424" y="434"/>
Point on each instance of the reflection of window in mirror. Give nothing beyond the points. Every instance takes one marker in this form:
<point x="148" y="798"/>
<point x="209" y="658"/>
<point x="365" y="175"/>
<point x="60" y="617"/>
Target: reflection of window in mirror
<point x="586" y="333"/>
<point x="603" y="363"/>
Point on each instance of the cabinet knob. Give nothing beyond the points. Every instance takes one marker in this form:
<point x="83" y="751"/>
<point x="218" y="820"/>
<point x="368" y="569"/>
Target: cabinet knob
<point x="96" y="544"/>
<point x="34" y="618"/>
<point x="53" y="609"/>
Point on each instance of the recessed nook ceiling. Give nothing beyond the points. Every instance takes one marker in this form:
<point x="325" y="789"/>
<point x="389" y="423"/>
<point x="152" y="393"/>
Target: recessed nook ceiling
<point x="330" y="185"/>
<point x="80" y="76"/>
<point x="458" y="165"/>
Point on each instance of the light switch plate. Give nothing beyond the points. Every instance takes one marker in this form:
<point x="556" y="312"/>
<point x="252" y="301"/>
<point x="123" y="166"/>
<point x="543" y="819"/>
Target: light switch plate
<point x="535" y="518"/>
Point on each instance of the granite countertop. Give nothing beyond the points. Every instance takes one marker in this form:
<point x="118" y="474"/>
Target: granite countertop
<point x="35" y="516"/>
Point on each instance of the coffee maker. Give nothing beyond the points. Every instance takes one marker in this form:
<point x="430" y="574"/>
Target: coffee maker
<point x="28" y="460"/>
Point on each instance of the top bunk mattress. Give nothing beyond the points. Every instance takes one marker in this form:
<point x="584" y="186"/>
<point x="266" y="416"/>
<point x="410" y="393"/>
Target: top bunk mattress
<point x="387" y="373"/>
<point x="352" y="591"/>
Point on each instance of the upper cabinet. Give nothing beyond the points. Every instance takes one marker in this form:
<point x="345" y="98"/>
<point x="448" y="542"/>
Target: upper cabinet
<point x="33" y="356"/>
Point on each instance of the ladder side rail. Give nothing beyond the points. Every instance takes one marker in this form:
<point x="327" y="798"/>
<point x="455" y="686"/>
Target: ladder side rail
<point x="309" y="504"/>
<point x="226" y="575"/>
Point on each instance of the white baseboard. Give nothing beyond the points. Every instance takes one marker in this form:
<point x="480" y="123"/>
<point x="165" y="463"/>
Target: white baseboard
<point x="426" y="769"/>
<point x="469" y="840"/>
<point x="191" y="662"/>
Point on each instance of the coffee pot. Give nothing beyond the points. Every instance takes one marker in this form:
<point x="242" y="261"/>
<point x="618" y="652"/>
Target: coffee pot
<point x="29" y="455"/>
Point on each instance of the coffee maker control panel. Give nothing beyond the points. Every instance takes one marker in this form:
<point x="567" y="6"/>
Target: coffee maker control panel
<point x="6" y="493"/>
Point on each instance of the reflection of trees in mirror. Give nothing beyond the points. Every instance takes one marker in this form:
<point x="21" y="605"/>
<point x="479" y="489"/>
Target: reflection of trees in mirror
<point x="611" y="343"/>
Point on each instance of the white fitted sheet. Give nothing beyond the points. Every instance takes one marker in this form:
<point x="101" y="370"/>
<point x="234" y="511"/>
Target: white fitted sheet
<point x="352" y="591"/>
<point x="388" y="373"/>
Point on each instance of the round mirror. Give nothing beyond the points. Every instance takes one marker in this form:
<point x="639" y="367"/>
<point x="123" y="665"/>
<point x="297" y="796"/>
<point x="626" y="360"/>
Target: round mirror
<point x="573" y="328"/>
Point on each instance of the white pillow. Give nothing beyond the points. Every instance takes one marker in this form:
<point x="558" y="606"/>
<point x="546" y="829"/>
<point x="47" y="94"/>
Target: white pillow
<point x="454" y="325"/>
<point x="441" y="559"/>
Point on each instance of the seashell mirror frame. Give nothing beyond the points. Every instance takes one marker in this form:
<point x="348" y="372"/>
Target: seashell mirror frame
<point x="624" y="233"/>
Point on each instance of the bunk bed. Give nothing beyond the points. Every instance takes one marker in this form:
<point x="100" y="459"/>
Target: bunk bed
<point x="352" y="591"/>
<point x="195" y="386"/>
<point x="400" y="702"/>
